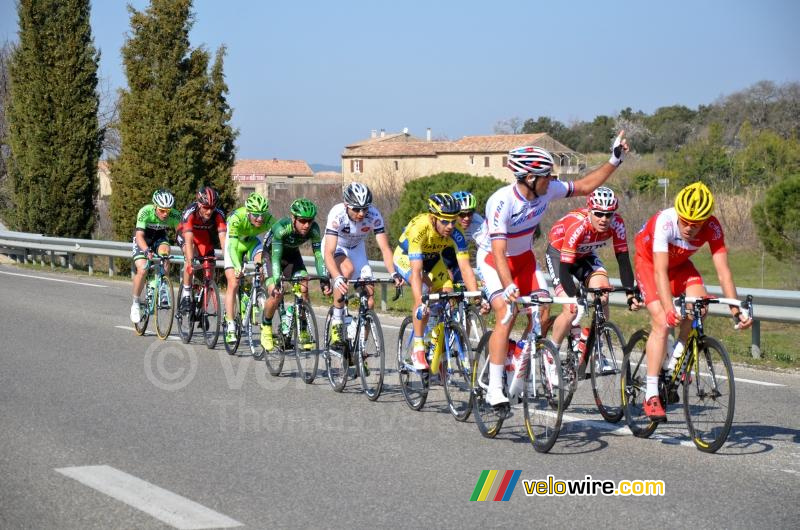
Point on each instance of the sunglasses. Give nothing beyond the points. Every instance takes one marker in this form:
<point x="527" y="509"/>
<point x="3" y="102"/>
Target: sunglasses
<point x="692" y="224"/>
<point x="257" y="215"/>
<point x="304" y="221"/>
<point x="163" y="210"/>
<point x="359" y="210"/>
<point x="446" y="222"/>
<point x="600" y="215"/>
<point x="464" y="215"/>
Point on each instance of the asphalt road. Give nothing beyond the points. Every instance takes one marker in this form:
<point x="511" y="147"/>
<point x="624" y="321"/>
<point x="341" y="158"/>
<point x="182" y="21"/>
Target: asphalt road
<point x="201" y="439"/>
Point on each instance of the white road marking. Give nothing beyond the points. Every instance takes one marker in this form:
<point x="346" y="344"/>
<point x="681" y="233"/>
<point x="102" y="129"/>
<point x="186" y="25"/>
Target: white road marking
<point x="168" y="507"/>
<point x="739" y="379"/>
<point x="53" y="279"/>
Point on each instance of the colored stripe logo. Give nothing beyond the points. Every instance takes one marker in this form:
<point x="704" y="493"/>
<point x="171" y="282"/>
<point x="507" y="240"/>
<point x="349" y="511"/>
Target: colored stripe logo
<point x="494" y="485"/>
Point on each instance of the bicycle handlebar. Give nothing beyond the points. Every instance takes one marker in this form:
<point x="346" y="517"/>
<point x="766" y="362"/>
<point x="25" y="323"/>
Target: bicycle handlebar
<point x="746" y="307"/>
<point x="536" y="300"/>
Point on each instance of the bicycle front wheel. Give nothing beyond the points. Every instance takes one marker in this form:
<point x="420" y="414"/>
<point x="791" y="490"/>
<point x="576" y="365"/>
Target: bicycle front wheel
<point x="633" y="383"/>
<point x="474" y="327"/>
<point x="306" y="341"/>
<point x="335" y="359"/>
<point x="709" y="396"/>
<point x="144" y="309"/>
<point x="253" y="324"/>
<point x="275" y="356"/>
<point x="372" y="356"/>
<point x="186" y="318"/>
<point x="488" y="418"/>
<point x="210" y="314"/>
<point x="606" y="361"/>
<point x="414" y="384"/>
<point x="457" y="372"/>
<point x="165" y="307"/>
<point x="543" y="397"/>
<point x="232" y="346"/>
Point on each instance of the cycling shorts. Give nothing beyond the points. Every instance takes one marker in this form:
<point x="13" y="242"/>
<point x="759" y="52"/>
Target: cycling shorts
<point x="525" y="273"/>
<point x="584" y="268"/>
<point x="680" y="278"/>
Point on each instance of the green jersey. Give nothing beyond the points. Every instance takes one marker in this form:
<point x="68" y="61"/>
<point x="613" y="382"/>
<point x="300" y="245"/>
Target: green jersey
<point x="154" y="228"/>
<point x="242" y="236"/>
<point x="282" y="235"/>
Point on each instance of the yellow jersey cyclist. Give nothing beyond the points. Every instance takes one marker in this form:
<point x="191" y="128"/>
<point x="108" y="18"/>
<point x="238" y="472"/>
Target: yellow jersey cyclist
<point x="283" y="244"/>
<point x="349" y="224"/>
<point x="242" y="244"/>
<point x="418" y="259"/>
<point x="150" y="237"/>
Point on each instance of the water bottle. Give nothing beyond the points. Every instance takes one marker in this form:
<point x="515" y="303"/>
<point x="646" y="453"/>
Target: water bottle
<point x="244" y="302"/>
<point x="575" y="333"/>
<point x="511" y="347"/>
<point x="350" y="324"/>
<point x="286" y="320"/>
<point x="519" y="363"/>
<point x="582" y="341"/>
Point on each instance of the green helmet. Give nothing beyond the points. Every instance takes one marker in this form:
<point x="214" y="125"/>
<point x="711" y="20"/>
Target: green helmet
<point x="304" y="209"/>
<point x="256" y="204"/>
<point x="465" y="200"/>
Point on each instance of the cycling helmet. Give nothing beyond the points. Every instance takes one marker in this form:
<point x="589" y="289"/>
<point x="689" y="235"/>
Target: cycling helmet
<point x="256" y="204"/>
<point x="529" y="160"/>
<point x="357" y="195"/>
<point x="207" y="196"/>
<point x="304" y="209"/>
<point x="602" y="199"/>
<point x="694" y="202"/>
<point x="465" y="200"/>
<point x="443" y="206"/>
<point x="163" y="199"/>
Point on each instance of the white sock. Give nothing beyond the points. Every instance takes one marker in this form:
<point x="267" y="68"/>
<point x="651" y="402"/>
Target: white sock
<point x="652" y="387"/>
<point x="338" y="313"/>
<point x="496" y="372"/>
<point x="136" y="300"/>
<point x="676" y="353"/>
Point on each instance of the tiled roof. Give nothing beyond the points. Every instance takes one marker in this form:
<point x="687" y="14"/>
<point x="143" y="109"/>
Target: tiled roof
<point x="328" y="175"/>
<point x="272" y="167"/>
<point x="498" y="143"/>
<point x="394" y="137"/>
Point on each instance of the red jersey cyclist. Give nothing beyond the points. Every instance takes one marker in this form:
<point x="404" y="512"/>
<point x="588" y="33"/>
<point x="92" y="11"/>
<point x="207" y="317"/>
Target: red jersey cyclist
<point x="202" y="229"/>
<point x="505" y="257"/>
<point x="572" y="253"/>
<point x="663" y="270"/>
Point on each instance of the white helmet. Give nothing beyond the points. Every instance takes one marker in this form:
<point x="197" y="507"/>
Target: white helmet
<point x="163" y="199"/>
<point x="602" y="200"/>
<point x="357" y="195"/>
<point x="529" y="160"/>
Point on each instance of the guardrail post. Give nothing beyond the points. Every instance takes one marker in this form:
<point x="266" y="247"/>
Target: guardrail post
<point x="69" y="261"/>
<point x="384" y="294"/>
<point x="52" y="260"/>
<point x="25" y="256"/>
<point x="62" y="261"/>
<point x="110" y="266"/>
<point x="755" y="347"/>
<point x="41" y="258"/>
<point x="91" y="264"/>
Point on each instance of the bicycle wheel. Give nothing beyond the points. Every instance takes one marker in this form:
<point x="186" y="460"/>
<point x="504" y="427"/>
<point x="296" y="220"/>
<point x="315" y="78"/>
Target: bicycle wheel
<point x="251" y="324"/>
<point x="488" y="419"/>
<point x="231" y="347"/>
<point x="274" y="358"/>
<point x="186" y="318"/>
<point x="165" y="307"/>
<point x="413" y="383"/>
<point x="709" y="396"/>
<point x="210" y="314"/>
<point x="633" y="382"/>
<point x="474" y="327"/>
<point x="372" y="356"/>
<point x="457" y="372"/>
<point x="144" y="309"/>
<point x="606" y="366"/>
<point x="543" y="397"/>
<point x="336" y="365"/>
<point x="306" y="348"/>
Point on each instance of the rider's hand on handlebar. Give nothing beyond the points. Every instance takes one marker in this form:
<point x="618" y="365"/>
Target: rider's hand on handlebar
<point x="511" y="292"/>
<point x="421" y="311"/>
<point x="634" y="303"/>
<point x="340" y="284"/>
<point x="673" y="318"/>
<point x="398" y="279"/>
<point x="742" y="324"/>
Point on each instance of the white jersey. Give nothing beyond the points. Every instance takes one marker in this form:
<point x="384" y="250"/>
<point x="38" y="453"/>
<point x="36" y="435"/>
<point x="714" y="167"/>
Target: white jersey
<point x="474" y="227"/>
<point x="352" y="233"/>
<point x="512" y="217"/>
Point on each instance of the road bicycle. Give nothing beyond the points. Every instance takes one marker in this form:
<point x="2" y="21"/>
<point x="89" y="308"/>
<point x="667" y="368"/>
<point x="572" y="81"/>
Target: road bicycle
<point x="159" y="297"/>
<point x="539" y="384"/>
<point x="205" y="310"/>
<point x="602" y="358"/>
<point x="295" y="332"/>
<point x="447" y="351"/>
<point x="248" y="306"/>
<point x="703" y="370"/>
<point x="362" y="348"/>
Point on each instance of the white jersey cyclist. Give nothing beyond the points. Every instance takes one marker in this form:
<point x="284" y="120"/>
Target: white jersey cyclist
<point x="351" y="235"/>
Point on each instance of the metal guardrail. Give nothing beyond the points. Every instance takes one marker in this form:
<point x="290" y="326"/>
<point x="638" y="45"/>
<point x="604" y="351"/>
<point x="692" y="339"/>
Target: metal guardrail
<point x="770" y="305"/>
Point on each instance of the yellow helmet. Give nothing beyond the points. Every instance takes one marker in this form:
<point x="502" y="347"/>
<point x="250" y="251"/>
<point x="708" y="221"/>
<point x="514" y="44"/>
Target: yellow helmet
<point x="694" y="202"/>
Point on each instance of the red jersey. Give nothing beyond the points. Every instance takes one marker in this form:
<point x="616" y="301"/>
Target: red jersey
<point x="574" y="236"/>
<point x="662" y="234"/>
<point x="191" y="221"/>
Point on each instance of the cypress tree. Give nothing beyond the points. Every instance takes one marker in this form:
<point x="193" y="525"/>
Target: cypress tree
<point x="53" y="132"/>
<point x="220" y="150"/>
<point x="164" y="114"/>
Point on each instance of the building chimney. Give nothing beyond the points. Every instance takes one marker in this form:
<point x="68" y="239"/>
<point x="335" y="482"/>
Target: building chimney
<point x="405" y="130"/>
<point x="373" y="133"/>
<point x="428" y="135"/>
<point x="383" y="133"/>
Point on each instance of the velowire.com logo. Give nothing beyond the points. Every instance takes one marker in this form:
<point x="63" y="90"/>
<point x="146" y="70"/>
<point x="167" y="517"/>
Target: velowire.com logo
<point x="494" y="485"/>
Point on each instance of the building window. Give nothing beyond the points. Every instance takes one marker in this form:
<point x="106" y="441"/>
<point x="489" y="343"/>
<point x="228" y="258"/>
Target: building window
<point x="486" y="161"/>
<point x="245" y="192"/>
<point x="396" y="165"/>
<point x="356" y="166"/>
<point x="505" y="161"/>
<point x="472" y="160"/>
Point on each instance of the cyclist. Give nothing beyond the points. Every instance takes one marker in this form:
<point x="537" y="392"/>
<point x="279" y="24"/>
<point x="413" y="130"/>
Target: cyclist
<point x="242" y="244"/>
<point x="663" y="270"/>
<point x="505" y="257"/>
<point x="149" y="238"/>
<point x="197" y="233"/>
<point x="418" y="259"/>
<point x="469" y="222"/>
<point x="349" y="224"/>
<point x="283" y="243"/>
<point x="572" y="252"/>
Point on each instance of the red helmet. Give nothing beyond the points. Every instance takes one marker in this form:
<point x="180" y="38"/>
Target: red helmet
<point x="207" y="196"/>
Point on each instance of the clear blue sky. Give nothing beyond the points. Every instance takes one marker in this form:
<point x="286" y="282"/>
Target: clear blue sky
<point x="307" y="78"/>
